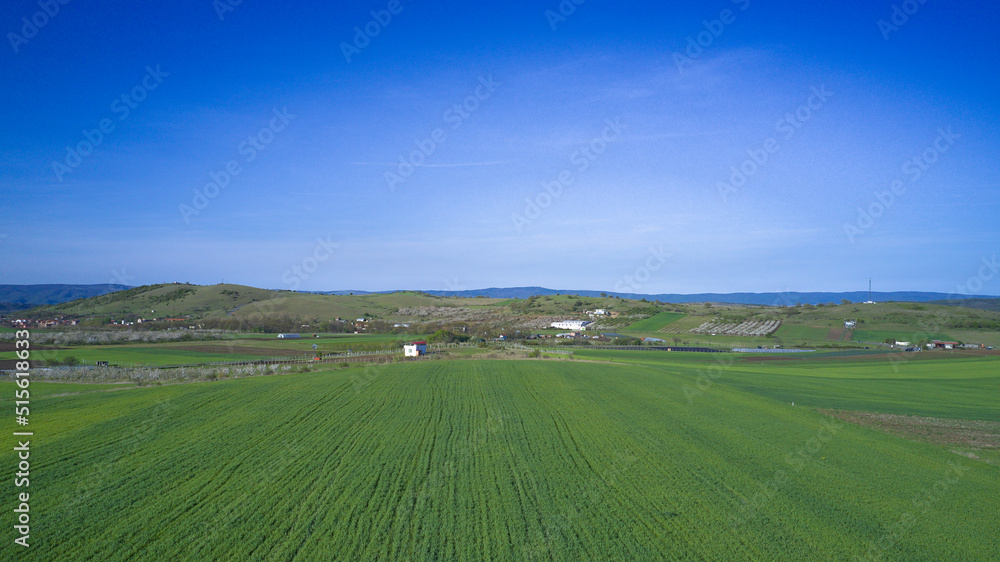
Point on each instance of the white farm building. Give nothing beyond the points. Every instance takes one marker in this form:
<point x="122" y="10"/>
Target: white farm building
<point x="415" y="349"/>
<point x="574" y="325"/>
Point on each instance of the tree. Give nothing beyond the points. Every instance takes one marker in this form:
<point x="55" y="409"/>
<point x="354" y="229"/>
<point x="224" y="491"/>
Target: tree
<point x="444" y="336"/>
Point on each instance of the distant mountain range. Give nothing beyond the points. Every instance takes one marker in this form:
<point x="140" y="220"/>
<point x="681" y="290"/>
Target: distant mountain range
<point x="17" y="297"/>
<point x="771" y="299"/>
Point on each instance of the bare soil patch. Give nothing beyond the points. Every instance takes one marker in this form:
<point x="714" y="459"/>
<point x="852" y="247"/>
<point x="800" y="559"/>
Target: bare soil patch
<point x="975" y="434"/>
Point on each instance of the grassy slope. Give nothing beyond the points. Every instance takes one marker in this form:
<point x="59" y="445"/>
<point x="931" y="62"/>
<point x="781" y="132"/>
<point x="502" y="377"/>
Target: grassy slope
<point x="218" y="300"/>
<point x="984" y="304"/>
<point x="167" y="300"/>
<point x="549" y="305"/>
<point x="473" y="460"/>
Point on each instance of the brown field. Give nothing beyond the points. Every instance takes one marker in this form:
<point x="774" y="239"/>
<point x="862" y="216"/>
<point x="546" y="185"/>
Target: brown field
<point x="975" y="434"/>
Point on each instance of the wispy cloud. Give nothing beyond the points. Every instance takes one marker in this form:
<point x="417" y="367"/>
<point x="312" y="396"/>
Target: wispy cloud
<point x="451" y="165"/>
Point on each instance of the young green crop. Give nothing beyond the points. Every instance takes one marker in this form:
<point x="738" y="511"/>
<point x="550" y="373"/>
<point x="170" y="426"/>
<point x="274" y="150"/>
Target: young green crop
<point x="487" y="460"/>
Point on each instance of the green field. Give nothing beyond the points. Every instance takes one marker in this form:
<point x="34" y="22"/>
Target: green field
<point x="654" y="322"/>
<point x="150" y="356"/>
<point x="799" y="332"/>
<point x="926" y="384"/>
<point x="44" y="389"/>
<point x="627" y="456"/>
<point x="249" y="347"/>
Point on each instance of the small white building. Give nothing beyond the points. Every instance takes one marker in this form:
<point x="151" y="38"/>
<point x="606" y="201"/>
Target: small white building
<point x="572" y="324"/>
<point x="850" y="324"/>
<point x="415" y="349"/>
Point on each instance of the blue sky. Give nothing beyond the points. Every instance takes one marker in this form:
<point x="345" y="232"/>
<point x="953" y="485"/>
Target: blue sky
<point x="713" y="147"/>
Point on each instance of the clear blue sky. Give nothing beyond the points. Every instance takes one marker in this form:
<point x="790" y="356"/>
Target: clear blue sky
<point x="644" y="110"/>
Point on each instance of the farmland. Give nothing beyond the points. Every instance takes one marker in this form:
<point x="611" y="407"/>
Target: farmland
<point x="231" y="308"/>
<point x="614" y="455"/>
<point x="655" y="323"/>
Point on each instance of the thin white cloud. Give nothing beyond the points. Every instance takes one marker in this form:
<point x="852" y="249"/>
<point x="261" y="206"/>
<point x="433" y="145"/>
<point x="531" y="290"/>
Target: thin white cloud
<point x="451" y="165"/>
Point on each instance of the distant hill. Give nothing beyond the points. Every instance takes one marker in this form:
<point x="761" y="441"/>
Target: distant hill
<point x="979" y="303"/>
<point x="19" y="297"/>
<point x="158" y="301"/>
<point x="250" y="308"/>
<point x="772" y="299"/>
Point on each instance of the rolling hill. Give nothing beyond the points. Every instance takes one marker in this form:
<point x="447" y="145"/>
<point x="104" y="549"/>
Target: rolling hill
<point x="244" y="308"/>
